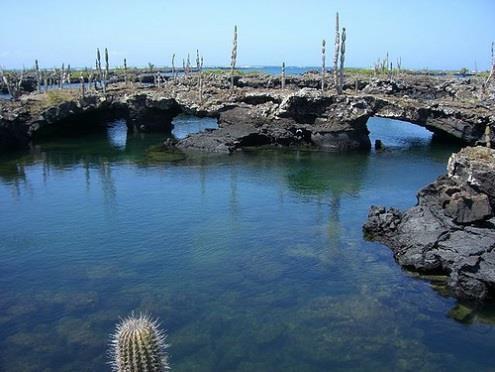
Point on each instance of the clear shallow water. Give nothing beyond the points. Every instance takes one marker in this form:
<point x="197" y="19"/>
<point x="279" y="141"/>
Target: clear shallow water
<point x="185" y="124"/>
<point x="253" y="262"/>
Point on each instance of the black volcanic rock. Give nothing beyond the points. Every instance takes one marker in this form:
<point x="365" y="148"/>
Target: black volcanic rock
<point x="255" y="115"/>
<point x="451" y="230"/>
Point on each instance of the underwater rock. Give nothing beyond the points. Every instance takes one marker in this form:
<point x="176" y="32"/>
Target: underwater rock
<point x="451" y="230"/>
<point x="167" y="152"/>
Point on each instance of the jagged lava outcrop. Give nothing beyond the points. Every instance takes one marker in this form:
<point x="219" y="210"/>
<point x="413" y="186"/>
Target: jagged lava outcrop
<point x="452" y="228"/>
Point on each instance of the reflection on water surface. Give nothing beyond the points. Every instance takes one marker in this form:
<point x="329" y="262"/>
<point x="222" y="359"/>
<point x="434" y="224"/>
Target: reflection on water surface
<point x="254" y="261"/>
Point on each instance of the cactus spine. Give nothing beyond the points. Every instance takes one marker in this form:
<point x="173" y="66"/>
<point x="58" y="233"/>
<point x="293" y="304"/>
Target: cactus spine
<point x="336" y="54"/>
<point x="323" y="64"/>
<point x="233" y="59"/>
<point x="138" y="345"/>
<point x="283" y="76"/>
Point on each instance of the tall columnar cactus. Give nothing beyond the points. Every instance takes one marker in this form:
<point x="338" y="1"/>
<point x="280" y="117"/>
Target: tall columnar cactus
<point x="342" y="60"/>
<point x="38" y="75"/>
<point x="97" y="74"/>
<point x="126" y="79"/>
<point x="82" y="87"/>
<point x="174" y="74"/>
<point x="323" y="64"/>
<point x="336" y="54"/>
<point x="491" y="75"/>
<point x="61" y="77"/>
<point x="46" y="81"/>
<point x="283" y="76"/>
<point x="138" y="345"/>
<point x="67" y="74"/>
<point x="199" y="66"/>
<point x="386" y="63"/>
<point x="338" y="71"/>
<point x="107" y="72"/>
<point x="399" y="67"/>
<point x="156" y="79"/>
<point x="90" y="78"/>
<point x="233" y="58"/>
<point x="98" y="67"/>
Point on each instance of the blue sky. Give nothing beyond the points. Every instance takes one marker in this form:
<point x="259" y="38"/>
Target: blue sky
<point x="431" y="34"/>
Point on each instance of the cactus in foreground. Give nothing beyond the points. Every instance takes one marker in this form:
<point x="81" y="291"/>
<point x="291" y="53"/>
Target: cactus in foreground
<point x="233" y="58"/>
<point x="138" y="345"/>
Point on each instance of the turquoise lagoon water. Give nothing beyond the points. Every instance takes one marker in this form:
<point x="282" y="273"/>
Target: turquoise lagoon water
<point x="252" y="262"/>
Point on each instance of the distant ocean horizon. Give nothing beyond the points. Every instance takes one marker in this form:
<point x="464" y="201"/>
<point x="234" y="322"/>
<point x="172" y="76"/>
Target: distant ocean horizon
<point x="276" y="70"/>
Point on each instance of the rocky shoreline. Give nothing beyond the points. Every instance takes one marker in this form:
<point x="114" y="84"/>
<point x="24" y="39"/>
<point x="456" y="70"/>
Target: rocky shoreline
<point x="255" y="113"/>
<point x="451" y="231"/>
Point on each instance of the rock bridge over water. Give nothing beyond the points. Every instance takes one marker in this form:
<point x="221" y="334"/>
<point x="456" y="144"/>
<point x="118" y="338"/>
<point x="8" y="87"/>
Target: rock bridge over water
<point x="250" y="116"/>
